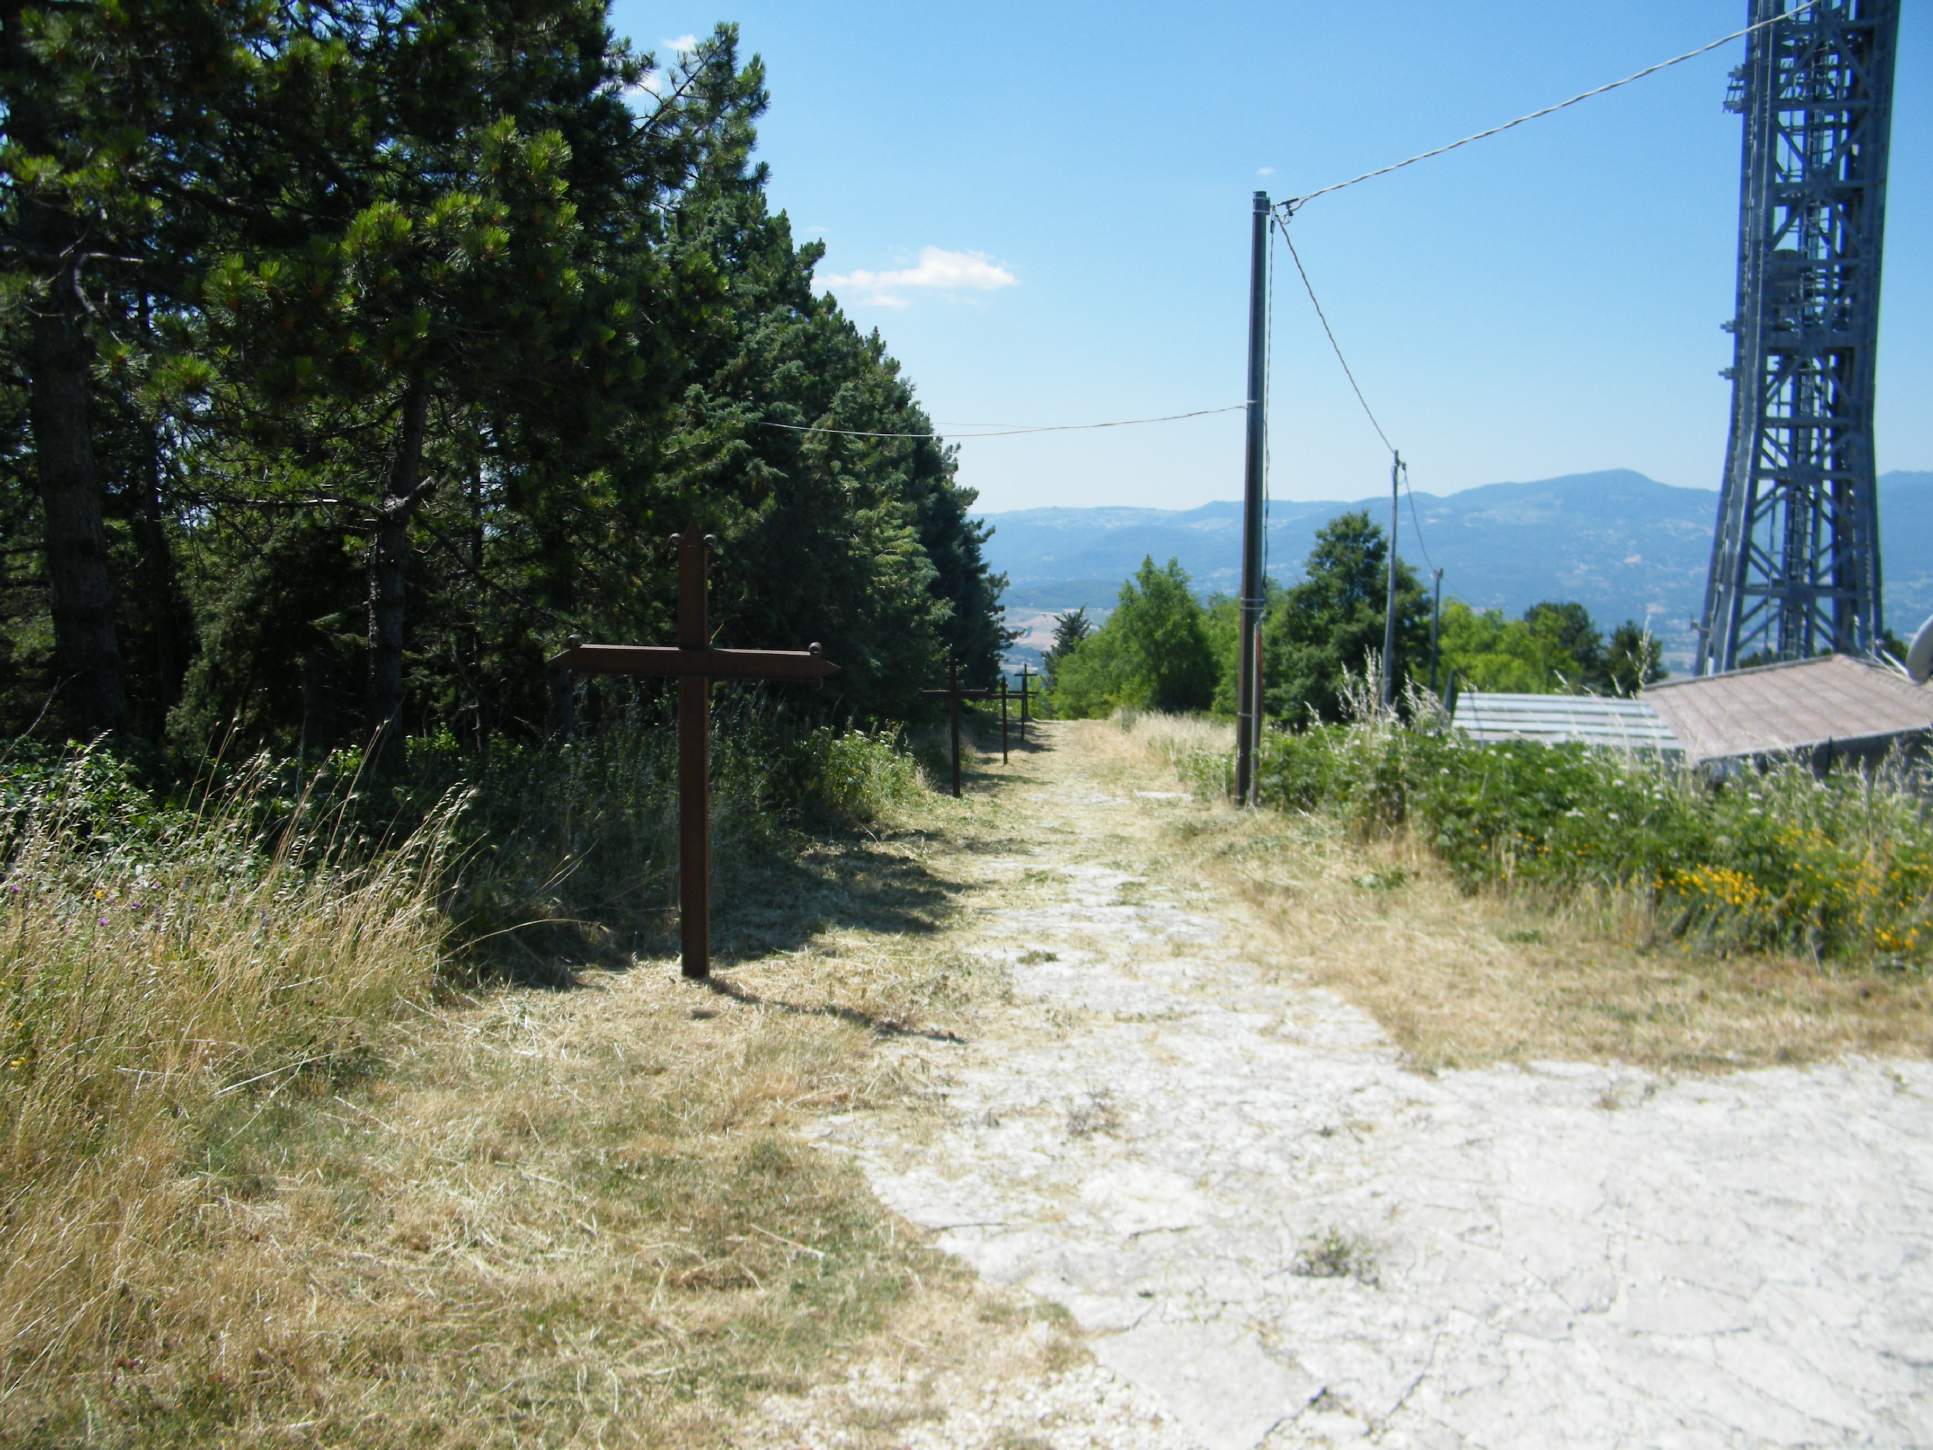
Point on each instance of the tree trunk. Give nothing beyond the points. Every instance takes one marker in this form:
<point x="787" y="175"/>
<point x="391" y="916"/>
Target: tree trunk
<point x="87" y="650"/>
<point x="474" y="639"/>
<point x="160" y="585"/>
<point x="402" y="495"/>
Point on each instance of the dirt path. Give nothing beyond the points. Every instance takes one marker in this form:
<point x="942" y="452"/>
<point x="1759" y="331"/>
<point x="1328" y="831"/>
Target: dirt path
<point x="1274" y="1234"/>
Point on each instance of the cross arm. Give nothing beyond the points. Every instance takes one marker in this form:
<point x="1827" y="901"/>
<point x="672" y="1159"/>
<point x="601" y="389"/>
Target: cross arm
<point x="718" y="664"/>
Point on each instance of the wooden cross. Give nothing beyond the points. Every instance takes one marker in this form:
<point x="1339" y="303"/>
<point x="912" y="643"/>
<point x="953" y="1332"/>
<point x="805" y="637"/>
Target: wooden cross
<point x="1023" y="704"/>
<point x="1003" y="717"/>
<point x="953" y="694"/>
<point x="695" y="664"/>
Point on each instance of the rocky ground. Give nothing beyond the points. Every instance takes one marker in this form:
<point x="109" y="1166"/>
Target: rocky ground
<point x="1272" y="1233"/>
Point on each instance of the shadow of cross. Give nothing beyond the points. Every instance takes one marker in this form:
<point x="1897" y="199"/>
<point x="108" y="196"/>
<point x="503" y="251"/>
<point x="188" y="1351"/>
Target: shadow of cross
<point x="953" y="694"/>
<point x="695" y="664"/>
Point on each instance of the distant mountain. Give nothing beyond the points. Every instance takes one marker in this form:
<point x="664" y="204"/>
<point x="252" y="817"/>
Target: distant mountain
<point x="1623" y="545"/>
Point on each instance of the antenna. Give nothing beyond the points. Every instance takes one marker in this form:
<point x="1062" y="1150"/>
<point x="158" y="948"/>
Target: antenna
<point x="1795" y="558"/>
<point x="1919" y="654"/>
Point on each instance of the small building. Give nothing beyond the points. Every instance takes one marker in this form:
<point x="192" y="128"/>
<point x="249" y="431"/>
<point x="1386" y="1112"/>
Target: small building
<point x="1556" y="719"/>
<point x="1834" y="707"/>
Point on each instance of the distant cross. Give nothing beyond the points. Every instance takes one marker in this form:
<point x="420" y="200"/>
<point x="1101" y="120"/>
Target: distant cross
<point x="695" y="664"/>
<point x="1003" y="717"/>
<point x="953" y="694"/>
<point x="1023" y="704"/>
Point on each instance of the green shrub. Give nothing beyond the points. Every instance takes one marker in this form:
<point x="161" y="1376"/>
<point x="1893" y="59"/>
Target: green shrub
<point x="1836" y="867"/>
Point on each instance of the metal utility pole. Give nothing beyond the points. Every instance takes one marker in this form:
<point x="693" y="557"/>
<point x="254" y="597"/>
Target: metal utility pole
<point x="1248" y="715"/>
<point x="1389" y="606"/>
<point x="1795" y="559"/>
<point x="1436" y="619"/>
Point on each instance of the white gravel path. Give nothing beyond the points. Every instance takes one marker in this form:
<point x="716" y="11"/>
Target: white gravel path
<point x="1275" y="1235"/>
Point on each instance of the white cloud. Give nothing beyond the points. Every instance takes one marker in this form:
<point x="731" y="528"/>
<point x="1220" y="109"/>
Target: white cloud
<point x="642" y="97"/>
<point x="682" y="45"/>
<point x="1265" y="171"/>
<point x="937" y="270"/>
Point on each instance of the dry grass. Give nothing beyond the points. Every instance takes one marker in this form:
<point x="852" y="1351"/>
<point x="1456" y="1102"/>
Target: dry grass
<point x="578" y="1216"/>
<point x="1460" y="980"/>
<point x="141" y="998"/>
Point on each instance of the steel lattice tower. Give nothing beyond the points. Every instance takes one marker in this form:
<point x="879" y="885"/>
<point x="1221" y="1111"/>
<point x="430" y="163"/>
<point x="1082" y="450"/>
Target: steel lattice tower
<point x="1795" y="563"/>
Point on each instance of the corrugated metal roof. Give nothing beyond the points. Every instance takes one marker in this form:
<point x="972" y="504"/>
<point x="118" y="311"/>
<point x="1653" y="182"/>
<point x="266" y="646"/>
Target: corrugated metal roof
<point x="1794" y="706"/>
<point x="1555" y="719"/>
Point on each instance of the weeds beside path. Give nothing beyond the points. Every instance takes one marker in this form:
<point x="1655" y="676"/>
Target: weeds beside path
<point x="1274" y="1229"/>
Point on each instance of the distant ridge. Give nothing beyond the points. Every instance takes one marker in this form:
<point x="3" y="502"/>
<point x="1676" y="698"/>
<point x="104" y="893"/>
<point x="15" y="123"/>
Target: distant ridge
<point x="1623" y="545"/>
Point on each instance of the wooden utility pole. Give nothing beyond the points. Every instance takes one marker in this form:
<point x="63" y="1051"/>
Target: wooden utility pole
<point x="1389" y="605"/>
<point x="1248" y="721"/>
<point x="695" y="664"/>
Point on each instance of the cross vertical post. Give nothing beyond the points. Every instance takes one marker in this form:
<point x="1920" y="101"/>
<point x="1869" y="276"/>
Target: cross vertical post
<point x="1003" y="715"/>
<point x="1023" y="704"/>
<point x="953" y="694"/>
<point x="953" y="717"/>
<point x="694" y="761"/>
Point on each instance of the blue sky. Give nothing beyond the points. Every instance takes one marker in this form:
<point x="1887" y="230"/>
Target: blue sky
<point x="1044" y="210"/>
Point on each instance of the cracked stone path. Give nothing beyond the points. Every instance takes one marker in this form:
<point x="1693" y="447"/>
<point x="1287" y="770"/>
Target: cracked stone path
<point x="1273" y="1234"/>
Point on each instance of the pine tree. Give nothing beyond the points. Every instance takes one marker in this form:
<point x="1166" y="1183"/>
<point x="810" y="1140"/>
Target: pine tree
<point x="1328" y="625"/>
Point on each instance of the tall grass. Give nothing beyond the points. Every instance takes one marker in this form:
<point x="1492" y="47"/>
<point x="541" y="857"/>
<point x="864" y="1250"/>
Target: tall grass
<point x="152" y="963"/>
<point x="570" y="849"/>
<point x="174" y="975"/>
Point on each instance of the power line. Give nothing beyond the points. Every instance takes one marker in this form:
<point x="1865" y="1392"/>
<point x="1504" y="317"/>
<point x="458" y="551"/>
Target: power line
<point x="1003" y="432"/>
<point x="1335" y="346"/>
<point x="1347" y="372"/>
<point x="1293" y="203"/>
<point x="1417" y="519"/>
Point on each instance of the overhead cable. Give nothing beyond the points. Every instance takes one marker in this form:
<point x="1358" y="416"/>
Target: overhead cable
<point x="1002" y="432"/>
<point x="1349" y="373"/>
<point x="1417" y="519"/>
<point x="1335" y="346"/>
<point x="1295" y="202"/>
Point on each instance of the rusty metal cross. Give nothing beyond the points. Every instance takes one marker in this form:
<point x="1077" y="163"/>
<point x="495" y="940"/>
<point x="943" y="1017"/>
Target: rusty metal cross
<point x="953" y="694"/>
<point x="695" y="664"/>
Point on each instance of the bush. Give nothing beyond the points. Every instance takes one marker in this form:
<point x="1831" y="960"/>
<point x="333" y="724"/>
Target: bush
<point x="1835" y="867"/>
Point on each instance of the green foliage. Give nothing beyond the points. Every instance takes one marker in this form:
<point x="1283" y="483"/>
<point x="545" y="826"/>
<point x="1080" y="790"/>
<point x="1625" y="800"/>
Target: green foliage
<point x="1070" y="629"/>
<point x="1633" y="660"/>
<point x="1522" y="656"/>
<point x="405" y="343"/>
<point x="1152" y="653"/>
<point x="1554" y="649"/>
<point x="1837" y="867"/>
<point x="1322" y="630"/>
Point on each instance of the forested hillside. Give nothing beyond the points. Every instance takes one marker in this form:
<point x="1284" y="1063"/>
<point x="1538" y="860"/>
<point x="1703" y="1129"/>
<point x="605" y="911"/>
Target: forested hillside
<point x="357" y="353"/>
